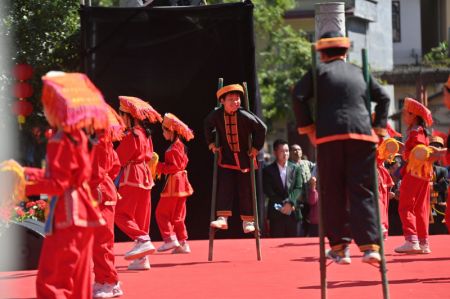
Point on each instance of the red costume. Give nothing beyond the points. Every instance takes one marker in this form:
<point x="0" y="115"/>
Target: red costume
<point x="71" y="102"/>
<point x="135" y="153"/>
<point x="171" y="211"/>
<point x="133" y="210"/>
<point x="105" y="167"/>
<point x="386" y="151"/>
<point x="385" y="184"/>
<point x="64" y="270"/>
<point x="414" y="202"/>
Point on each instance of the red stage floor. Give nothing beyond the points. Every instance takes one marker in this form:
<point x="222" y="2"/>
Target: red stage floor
<point x="289" y="269"/>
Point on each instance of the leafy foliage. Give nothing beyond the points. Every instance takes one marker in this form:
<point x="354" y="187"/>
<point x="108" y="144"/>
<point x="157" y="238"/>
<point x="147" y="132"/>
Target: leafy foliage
<point x="45" y="34"/>
<point x="438" y="56"/>
<point x="282" y="56"/>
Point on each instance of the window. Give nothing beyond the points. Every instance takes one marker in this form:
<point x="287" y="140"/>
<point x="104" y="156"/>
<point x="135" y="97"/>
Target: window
<point x="396" y="32"/>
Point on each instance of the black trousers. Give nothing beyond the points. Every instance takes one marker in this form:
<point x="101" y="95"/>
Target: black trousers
<point x="283" y="226"/>
<point x="230" y="183"/>
<point x="346" y="181"/>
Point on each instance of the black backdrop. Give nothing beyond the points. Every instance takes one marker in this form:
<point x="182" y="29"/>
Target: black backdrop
<point x="173" y="57"/>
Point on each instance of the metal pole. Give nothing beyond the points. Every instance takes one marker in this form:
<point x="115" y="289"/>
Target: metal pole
<point x="322" y="257"/>
<point x="253" y="181"/>
<point x="385" y="283"/>
<point x="214" y="190"/>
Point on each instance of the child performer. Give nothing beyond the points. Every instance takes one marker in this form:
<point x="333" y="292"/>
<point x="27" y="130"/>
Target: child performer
<point x="234" y="124"/>
<point x="414" y="205"/>
<point x="135" y="151"/>
<point x="105" y="167"/>
<point x="171" y="210"/>
<point x="70" y="102"/>
<point x="386" y="151"/>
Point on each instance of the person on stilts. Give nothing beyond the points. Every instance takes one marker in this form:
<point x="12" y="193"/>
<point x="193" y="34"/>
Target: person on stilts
<point x="171" y="210"/>
<point x="346" y="140"/>
<point x="234" y="124"/>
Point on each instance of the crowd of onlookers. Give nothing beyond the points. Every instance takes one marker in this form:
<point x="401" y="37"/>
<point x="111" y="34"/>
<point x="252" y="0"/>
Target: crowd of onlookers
<point x="289" y="184"/>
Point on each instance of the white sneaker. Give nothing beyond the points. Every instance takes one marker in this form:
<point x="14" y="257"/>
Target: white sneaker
<point x="96" y="289"/>
<point x="425" y="248"/>
<point x="220" y="223"/>
<point x="168" y="245"/>
<point x="139" y="250"/>
<point x="183" y="248"/>
<point x="108" y="290"/>
<point x="248" y="226"/>
<point x="371" y="257"/>
<point x="409" y="247"/>
<point x="140" y="264"/>
<point x="117" y="290"/>
<point x="339" y="257"/>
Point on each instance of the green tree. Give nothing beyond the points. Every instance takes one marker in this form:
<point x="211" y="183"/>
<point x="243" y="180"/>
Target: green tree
<point x="44" y="34"/>
<point x="282" y="56"/>
<point x="438" y="56"/>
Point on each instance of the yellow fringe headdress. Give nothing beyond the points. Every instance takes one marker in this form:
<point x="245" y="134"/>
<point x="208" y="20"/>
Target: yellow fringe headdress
<point x="388" y="149"/>
<point x="139" y="109"/>
<point x="72" y="101"/>
<point x="12" y="187"/>
<point x="173" y="123"/>
<point x="418" y="162"/>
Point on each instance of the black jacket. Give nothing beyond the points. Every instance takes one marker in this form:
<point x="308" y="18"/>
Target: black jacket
<point x="341" y="106"/>
<point x="247" y="123"/>
<point x="277" y="193"/>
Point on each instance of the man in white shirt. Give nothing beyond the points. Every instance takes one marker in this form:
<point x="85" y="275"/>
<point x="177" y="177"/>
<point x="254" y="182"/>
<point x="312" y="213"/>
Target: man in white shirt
<point x="282" y="184"/>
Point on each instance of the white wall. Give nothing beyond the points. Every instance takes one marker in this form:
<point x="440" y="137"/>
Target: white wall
<point x="410" y="33"/>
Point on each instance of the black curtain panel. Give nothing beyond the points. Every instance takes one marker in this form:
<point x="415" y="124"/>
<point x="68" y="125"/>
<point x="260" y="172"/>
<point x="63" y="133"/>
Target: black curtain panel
<point x="172" y="57"/>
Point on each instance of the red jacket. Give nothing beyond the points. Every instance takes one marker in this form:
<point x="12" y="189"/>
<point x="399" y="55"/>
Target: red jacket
<point x="415" y="137"/>
<point x="105" y="168"/>
<point x="174" y="165"/>
<point x="67" y="174"/>
<point x="135" y="152"/>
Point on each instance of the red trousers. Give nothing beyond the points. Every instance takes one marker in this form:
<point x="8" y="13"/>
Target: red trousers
<point x="414" y="206"/>
<point x="64" y="265"/>
<point x="383" y="195"/>
<point x="103" y="254"/>
<point x="170" y="216"/>
<point x="133" y="212"/>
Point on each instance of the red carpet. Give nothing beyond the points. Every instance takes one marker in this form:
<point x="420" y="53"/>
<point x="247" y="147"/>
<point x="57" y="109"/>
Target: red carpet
<point x="289" y="269"/>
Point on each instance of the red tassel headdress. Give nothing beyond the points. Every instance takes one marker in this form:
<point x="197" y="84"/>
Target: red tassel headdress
<point x="72" y="101"/>
<point x="173" y="123"/>
<point x="139" y="109"/>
